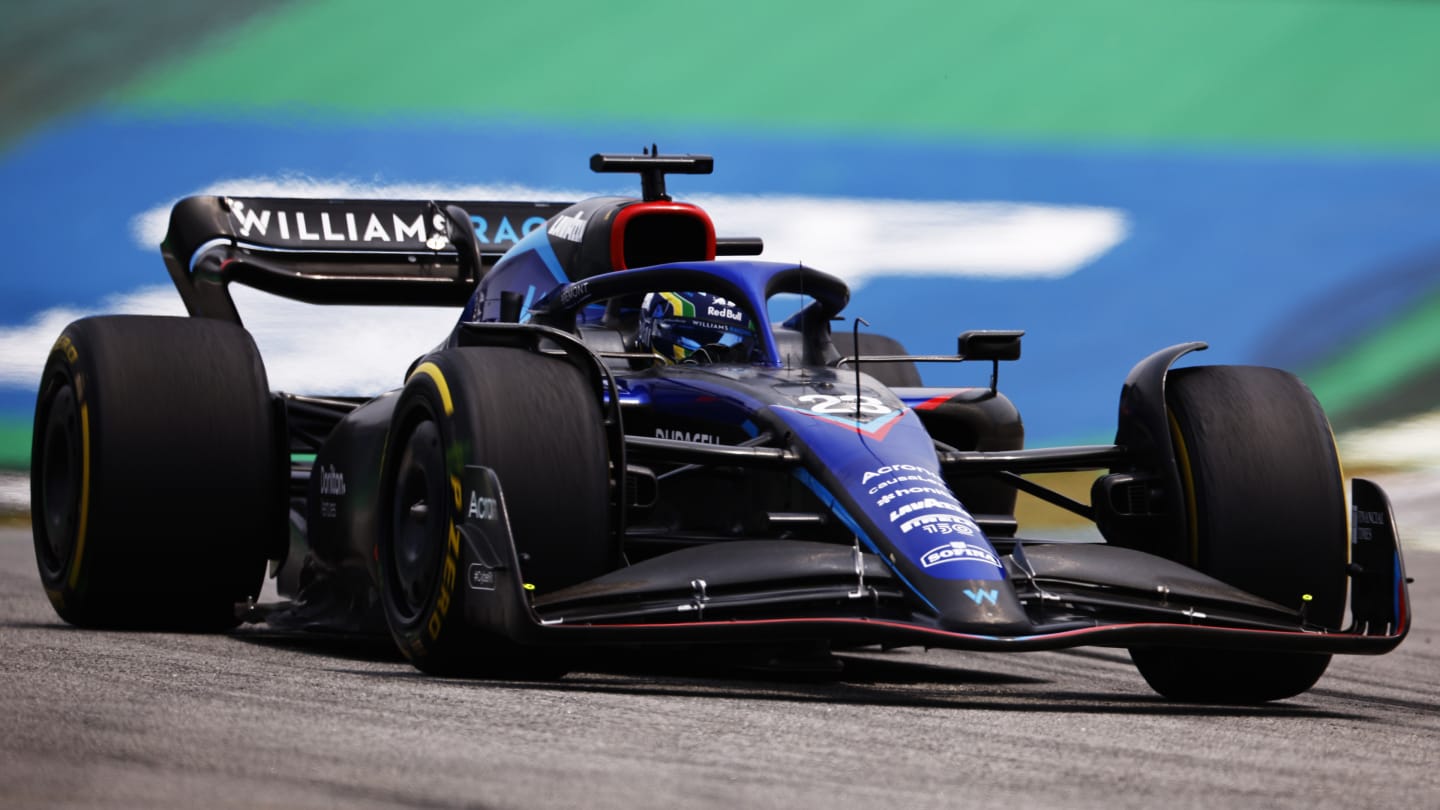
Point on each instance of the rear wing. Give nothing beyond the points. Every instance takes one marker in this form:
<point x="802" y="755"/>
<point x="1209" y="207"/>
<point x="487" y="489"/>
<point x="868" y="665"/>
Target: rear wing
<point x="408" y="252"/>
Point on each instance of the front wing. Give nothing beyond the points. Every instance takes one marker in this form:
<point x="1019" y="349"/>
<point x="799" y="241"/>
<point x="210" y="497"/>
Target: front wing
<point x="1076" y="594"/>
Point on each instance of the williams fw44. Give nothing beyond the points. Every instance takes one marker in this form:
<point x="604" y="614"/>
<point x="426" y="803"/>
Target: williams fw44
<point x="617" y="446"/>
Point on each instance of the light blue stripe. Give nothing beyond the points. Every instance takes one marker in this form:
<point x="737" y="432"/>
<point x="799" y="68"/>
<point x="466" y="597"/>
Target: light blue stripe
<point x="839" y="511"/>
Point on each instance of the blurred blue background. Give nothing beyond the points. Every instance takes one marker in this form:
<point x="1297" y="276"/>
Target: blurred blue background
<point x="1110" y="175"/>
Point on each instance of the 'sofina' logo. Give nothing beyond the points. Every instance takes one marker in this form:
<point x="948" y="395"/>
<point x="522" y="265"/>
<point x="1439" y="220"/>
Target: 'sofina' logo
<point x="957" y="551"/>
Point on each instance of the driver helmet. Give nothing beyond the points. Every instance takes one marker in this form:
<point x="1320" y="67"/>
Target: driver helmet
<point x="695" y="327"/>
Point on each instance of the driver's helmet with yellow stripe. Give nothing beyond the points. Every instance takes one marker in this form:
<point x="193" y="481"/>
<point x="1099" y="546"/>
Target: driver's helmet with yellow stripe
<point x="695" y="327"/>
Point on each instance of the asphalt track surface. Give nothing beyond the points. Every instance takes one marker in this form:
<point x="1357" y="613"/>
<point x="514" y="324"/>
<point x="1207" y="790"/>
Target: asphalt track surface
<point x="90" y="719"/>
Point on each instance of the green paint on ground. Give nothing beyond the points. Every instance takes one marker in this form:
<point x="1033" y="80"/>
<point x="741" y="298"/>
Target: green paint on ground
<point x="58" y="56"/>
<point x="1319" y="73"/>
<point x="1381" y="361"/>
<point x="14" y="444"/>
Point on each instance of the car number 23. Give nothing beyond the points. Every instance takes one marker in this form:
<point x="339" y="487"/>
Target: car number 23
<point x="849" y="403"/>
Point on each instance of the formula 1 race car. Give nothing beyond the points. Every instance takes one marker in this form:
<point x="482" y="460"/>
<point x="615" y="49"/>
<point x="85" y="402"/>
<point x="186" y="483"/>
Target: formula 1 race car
<point x="616" y="447"/>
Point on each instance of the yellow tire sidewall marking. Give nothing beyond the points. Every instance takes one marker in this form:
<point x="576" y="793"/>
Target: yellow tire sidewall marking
<point x="433" y="372"/>
<point x="80" y="531"/>
<point x="450" y="564"/>
<point x="1187" y="480"/>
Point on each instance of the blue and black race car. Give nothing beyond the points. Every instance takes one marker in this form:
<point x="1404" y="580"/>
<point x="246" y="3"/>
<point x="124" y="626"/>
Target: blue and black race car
<point x="618" y="446"/>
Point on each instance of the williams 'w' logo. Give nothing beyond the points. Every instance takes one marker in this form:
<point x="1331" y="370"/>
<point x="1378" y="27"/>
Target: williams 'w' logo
<point x="980" y="597"/>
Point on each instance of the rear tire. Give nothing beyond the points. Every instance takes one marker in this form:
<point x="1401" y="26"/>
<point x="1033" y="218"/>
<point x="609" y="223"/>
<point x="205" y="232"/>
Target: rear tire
<point x="156" y="473"/>
<point x="533" y="420"/>
<point x="1267" y="513"/>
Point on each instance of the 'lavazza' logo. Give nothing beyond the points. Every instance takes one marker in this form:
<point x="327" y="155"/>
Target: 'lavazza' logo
<point x="336" y="226"/>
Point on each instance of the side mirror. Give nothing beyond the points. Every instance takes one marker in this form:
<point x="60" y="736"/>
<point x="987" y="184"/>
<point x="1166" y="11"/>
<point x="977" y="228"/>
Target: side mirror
<point x="990" y="344"/>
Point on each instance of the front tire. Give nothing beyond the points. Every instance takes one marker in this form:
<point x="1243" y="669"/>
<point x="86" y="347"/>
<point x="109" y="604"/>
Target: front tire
<point x="1266" y="511"/>
<point x="534" y="421"/>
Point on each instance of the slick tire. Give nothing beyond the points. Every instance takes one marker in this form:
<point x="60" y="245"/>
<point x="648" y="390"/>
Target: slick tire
<point x="536" y="422"/>
<point x="1266" y="512"/>
<point x="157" y="479"/>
